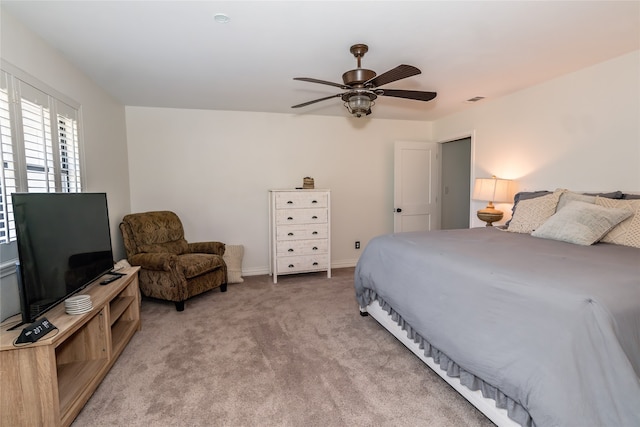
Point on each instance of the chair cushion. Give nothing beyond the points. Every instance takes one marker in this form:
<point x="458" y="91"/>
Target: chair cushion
<point x="196" y="264"/>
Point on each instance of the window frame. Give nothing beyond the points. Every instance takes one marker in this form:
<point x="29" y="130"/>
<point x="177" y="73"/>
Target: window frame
<point x="21" y="87"/>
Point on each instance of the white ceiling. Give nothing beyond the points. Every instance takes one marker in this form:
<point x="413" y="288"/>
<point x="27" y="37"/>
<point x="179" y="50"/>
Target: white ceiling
<point x="173" y="54"/>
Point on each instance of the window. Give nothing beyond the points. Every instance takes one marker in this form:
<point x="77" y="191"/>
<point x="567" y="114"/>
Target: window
<point x="39" y="144"/>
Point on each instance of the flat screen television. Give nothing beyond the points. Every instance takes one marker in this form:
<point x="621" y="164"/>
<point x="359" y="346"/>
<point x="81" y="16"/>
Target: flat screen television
<point x="64" y="243"/>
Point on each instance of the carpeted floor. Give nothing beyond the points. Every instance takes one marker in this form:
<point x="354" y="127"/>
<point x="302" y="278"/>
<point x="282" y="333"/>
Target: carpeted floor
<point x="292" y="354"/>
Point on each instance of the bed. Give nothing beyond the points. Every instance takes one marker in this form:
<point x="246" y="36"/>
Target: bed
<point x="533" y="331"/>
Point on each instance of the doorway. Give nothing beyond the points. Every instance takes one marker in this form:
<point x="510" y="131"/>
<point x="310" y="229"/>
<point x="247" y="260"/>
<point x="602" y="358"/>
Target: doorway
<point x="455" y="184"/>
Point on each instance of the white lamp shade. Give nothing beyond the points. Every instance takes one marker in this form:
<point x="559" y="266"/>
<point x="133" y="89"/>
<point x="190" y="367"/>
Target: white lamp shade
<point x="492" y="190"/>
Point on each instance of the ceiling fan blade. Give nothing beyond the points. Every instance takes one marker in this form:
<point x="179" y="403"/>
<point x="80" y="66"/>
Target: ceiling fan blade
<point x="304" y="104"/>
<point x="408" y="94"/>
<point x="324" y="82"/>
<point x="400" y="72"/>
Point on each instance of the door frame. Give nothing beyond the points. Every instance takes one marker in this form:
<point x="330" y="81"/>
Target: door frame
<point x="472" y="162"/>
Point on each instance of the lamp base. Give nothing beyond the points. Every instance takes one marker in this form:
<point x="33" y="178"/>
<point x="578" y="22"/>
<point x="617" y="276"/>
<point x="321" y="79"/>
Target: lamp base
<point x="490" y="215"/>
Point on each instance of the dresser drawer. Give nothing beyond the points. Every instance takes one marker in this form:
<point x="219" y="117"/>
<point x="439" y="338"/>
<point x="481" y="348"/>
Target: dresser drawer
<point x="297" y="199"/>
<point x="302" y="232"/>
<point x="302" y="263"/>
<point x="301" y="247"/>
<point x="301" y="216"/>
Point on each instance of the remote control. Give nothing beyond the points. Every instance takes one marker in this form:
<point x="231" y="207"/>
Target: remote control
<point x="109" y="280"/>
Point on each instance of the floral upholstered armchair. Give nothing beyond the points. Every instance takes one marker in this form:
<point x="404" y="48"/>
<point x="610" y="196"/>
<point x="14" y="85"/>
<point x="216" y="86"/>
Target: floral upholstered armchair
<point x="170" y="268"/>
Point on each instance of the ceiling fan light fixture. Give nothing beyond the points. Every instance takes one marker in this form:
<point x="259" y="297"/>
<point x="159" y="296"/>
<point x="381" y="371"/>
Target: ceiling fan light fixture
<point x="360" y="104"/>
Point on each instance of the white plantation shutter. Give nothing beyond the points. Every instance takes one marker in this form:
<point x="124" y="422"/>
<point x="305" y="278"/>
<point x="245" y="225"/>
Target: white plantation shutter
<point x="69" y="148"/>
<point x="37" y="143"/>
<point x="40" y="146"/>
<point x="7" y="172"/>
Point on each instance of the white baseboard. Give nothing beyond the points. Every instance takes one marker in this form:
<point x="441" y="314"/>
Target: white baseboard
<point x="258" y="271"/>
<point x="344" y="263"/>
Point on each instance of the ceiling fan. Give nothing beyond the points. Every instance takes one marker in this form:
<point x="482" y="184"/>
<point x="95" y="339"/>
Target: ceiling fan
<point x="362" y="86"/>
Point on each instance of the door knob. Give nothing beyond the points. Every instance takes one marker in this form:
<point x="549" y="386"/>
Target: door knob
<point x="399" y="210"/>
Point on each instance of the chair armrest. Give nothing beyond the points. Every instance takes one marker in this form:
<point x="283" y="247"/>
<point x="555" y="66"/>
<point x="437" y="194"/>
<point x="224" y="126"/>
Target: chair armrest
<point x="154" y="261"/>
<point x="216" y="248"/>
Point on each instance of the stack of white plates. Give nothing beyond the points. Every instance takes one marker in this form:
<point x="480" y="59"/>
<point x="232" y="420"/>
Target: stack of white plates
<point x="78" y="304"/>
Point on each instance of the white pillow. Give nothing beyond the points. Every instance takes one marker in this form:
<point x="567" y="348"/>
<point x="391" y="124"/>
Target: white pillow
<point x="233" y="258"/>
<point x="627" y="233"/>
<point x="581" y="223"/>
<point x="569" y="196"/>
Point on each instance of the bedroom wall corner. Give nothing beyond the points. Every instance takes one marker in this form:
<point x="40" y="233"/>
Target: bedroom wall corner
<point x="579" y="131"/>
<point x="103" y="131"/>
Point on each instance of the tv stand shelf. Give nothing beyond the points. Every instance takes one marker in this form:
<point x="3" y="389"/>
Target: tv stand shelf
<point x="48" y="382"/>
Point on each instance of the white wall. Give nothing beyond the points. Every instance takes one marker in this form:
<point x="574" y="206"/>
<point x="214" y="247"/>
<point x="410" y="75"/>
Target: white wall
<point x="103" y="132"/>
<point x="214" y="169"/>
<point x="580" y="131"/>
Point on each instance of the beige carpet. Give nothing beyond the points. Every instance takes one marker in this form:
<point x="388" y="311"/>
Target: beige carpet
<point x="292" y="354"/>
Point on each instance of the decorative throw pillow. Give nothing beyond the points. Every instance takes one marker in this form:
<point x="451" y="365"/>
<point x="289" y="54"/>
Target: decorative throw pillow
<point x="627" y="233"/>
<point x="570" y="196"/>
<point x="533" y="213"/>
<point x="525" y="195"/>
<point x="233" y="258"/>
<point x="581" y="223"/>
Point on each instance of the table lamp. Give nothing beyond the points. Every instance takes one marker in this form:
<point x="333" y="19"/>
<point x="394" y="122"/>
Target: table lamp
<point x="492" y="190"/>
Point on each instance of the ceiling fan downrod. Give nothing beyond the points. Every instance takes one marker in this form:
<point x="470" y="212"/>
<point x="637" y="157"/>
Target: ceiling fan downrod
<point x="358" y="50"/>
<point x="356" y="78"/>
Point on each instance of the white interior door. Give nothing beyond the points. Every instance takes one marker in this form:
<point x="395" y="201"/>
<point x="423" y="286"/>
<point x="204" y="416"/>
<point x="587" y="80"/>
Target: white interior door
<point x="415" y="186"/>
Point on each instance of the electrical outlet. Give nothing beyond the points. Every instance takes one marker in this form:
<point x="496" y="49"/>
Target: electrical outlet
<point x="357" y="244"/>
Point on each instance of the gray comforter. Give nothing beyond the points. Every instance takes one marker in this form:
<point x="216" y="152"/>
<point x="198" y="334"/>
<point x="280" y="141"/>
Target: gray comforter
<point x="549" y="329"/>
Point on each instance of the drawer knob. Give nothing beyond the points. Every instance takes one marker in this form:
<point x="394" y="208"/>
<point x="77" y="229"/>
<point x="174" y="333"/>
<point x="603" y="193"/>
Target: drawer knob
<point x="290" y="234"/>
<point x="289" y="202"/>
<point x="290" y="250"/>
<point x="289" y="218"/>
<point x="314" y="233"/>
<point x="315" y="248"/>
<point x="314" y="217"/>
<point x="314" y="201"/>
<point x="291" y="266"/>
<point x="315" y="263"/>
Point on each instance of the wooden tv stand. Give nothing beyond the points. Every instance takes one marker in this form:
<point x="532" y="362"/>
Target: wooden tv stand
<point x="48" y="382"/>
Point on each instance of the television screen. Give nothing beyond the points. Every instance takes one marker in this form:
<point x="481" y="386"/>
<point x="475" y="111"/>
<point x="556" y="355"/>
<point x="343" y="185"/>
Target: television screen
<point x="64" y="243"/>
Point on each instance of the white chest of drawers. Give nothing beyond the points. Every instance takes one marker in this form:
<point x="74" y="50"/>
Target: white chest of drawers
<point x="299" y="231"/>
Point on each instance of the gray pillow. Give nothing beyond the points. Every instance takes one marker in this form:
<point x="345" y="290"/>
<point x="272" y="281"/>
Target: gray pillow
<point x="611" y="195"/>
<point x="581" y="223"/>
<point x="629" y="196"/>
